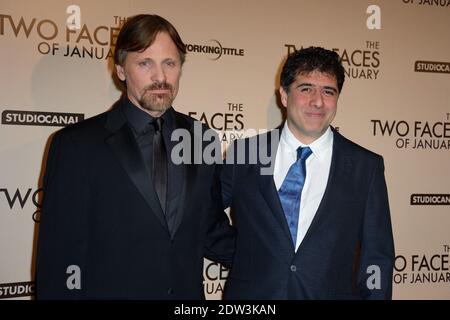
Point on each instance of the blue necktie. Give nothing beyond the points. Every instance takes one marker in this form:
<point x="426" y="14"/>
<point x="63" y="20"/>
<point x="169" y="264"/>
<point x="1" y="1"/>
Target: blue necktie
<point x="291" y="190"/>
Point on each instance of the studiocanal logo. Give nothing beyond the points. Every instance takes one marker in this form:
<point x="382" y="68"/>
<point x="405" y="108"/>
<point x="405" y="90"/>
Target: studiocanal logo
<point x="432" y="67"/>
<point x="359" y="63"/>
<point x="417" y="134"/>
<point x="72" y="39"/>
<point x="40" y="118"/>
<point x="16" y="289"/>
<point x="421" y="199"/>
<point x="214" y="50"/>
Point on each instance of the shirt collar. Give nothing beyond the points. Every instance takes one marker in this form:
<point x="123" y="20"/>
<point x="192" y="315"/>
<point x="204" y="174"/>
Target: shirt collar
<point x="139" y="119"/>
<point x="318" y="147"/>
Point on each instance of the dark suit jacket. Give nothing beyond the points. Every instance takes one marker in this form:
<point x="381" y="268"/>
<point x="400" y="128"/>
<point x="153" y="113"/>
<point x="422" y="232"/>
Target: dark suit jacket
<point x="350" y="232"/>
<point x="101" y="214"/>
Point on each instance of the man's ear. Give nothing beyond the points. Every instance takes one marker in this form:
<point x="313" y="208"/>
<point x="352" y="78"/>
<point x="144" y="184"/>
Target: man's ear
<point x="283" y="96"/>
<point x="120" y="72"/>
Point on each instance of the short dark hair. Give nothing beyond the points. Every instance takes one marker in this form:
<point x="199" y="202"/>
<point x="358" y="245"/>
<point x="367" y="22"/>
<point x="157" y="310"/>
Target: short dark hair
<point x="307" y="60"/>
<point x="139" y="32"/>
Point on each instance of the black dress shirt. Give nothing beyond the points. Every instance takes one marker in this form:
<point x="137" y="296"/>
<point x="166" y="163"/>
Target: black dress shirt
<point x="144" y="131"/>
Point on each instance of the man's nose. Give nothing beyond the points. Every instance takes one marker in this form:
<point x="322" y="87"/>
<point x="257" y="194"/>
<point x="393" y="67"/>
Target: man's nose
<point x="158" y="74"/>
<point x="317" y="99"/>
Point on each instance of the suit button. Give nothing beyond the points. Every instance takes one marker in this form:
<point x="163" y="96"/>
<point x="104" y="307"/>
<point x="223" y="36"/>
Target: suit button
<point x="293" y="268"/>
<point x="170" y="291"/>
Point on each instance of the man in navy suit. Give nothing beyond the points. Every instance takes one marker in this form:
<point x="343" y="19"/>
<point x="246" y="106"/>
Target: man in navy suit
<point x="311" y="212"/>
<point x="122" y="219"/>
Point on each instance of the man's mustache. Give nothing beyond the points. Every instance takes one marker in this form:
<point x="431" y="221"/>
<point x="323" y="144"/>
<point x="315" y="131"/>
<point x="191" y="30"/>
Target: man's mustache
<point x="159" y="86"/>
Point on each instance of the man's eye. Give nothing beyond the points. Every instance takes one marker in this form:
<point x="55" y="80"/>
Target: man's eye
<point x="306" y="90"/>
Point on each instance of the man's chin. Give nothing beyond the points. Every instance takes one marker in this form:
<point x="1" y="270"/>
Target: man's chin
<point x="156" y="107"/>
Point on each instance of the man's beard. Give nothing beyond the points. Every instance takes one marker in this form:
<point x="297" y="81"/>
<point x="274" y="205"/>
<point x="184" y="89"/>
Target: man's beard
<point x="158" y="102"/>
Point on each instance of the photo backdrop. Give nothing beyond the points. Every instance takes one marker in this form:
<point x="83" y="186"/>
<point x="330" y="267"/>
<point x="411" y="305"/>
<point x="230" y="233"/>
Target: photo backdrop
<point x="56" y="69"/>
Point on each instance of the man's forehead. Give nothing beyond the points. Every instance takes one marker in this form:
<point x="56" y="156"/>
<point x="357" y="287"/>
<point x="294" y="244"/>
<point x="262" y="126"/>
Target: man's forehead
<point x="151" y="51"/>
<point x="316" y="75"/>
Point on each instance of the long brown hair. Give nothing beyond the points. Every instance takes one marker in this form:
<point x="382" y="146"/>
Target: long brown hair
<point x="139" y="32"/>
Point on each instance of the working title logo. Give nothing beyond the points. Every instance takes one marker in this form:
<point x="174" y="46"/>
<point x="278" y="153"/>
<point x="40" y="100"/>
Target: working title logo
<point x="39" y="118"/>
<point x="214" y="50"/>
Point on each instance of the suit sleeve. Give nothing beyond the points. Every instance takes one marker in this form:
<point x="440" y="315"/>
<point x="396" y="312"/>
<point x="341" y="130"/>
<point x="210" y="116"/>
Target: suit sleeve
<point x="221" y="236"/>
<point x="63" y="235"/>
<point x="377" y="244"/>
<point x="226" y="177"/>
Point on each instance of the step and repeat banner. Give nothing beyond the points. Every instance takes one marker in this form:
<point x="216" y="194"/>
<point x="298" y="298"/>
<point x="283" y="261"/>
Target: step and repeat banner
<point x="56" y="70"/>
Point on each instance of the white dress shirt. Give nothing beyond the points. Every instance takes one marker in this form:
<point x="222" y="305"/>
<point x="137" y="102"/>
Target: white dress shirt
<point x="317" y="172"/>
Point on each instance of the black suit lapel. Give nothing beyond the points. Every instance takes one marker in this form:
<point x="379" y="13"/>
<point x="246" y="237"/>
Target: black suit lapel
<point x="340" y="170"/>
<point x="267" y="184"/>
<point x="270" y="194"/>
<point x="127" y="152"/>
